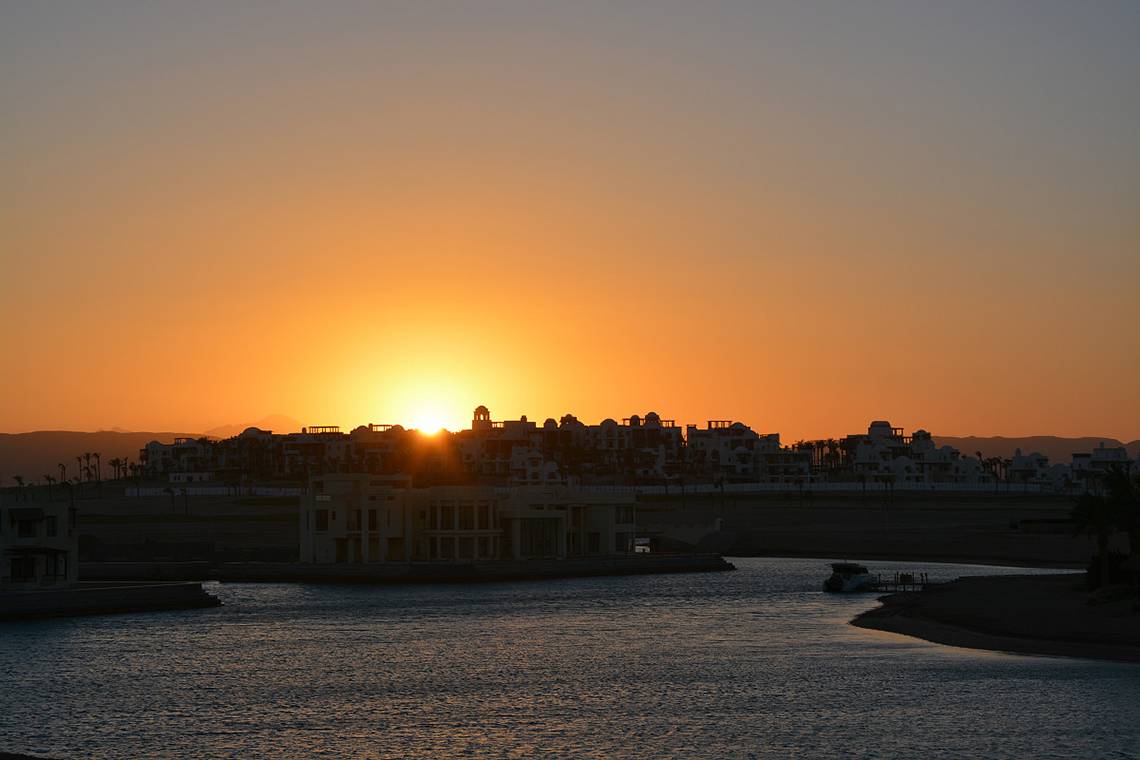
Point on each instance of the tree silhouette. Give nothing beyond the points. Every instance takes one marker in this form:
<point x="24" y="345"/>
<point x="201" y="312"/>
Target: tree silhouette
<point x="1095" y="516"/>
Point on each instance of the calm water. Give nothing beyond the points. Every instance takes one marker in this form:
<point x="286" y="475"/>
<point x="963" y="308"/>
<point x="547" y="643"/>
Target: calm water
<point x="753" y="663"/>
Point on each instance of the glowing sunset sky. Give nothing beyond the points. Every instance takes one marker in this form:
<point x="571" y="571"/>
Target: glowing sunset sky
<point x="801" y="215"/>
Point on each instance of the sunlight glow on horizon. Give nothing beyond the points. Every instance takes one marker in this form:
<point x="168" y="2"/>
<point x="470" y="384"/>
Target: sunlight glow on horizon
<point x="801" y="216"/>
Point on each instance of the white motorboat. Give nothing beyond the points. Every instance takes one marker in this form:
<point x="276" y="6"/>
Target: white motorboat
<point x="849" y="576"/>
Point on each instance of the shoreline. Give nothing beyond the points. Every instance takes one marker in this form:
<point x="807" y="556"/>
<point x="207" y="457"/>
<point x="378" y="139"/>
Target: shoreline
<point x="93" y="598"/>
<point x="925" y="559"/>
<point x="492" y="571"/>
<point x="1044" y="615"/>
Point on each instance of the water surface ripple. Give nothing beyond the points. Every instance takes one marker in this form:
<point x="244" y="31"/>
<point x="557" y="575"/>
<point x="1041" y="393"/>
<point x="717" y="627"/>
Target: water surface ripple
<point x="756" y="663"/>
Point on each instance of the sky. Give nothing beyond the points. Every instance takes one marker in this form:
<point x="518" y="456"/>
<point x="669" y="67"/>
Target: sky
<point x="801" y="215"/>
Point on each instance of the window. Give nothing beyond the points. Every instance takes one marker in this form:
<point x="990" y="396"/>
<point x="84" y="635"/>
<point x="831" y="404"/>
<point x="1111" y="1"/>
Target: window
<point x="467" y="517"/>
<point x="595" y="540"/>
<point x="447" y="548"/>
<point x="484" y="547"/>
<point x="322" y="520"/>
<point x="484" y="516"/>
<point x="23" y="568"/>
<point x="372" y="522"/>
<point x="52" y="526"/>
<point x="447" y="518"/>
<point x="395" y="549"/>
<point x="466" y="547"/>
<point x="26" y="528"/>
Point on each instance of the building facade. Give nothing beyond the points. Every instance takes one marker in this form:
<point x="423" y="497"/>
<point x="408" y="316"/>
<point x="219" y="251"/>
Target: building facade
<point x="354" y="518"/>
<point x="39" y="546"/>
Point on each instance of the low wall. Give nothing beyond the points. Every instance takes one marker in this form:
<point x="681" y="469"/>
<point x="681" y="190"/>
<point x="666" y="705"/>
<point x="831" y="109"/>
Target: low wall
<point x="104" y="598"/>
<point x="415" y="572"/>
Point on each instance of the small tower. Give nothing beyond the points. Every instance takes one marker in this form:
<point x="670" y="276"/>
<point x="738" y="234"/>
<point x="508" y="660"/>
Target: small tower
<point x="482" y="418"/>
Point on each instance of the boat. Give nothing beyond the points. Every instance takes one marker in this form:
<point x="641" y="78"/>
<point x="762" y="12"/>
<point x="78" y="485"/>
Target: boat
<point x="849" y="576"/>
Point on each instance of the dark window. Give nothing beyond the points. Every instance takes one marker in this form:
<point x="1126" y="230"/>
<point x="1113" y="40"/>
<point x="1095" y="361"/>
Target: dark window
<point x="52" y="526"/>
<point x="26" y="528"/>
<point x="395" y="549"/>
<point x="447" y="518"/>
<point x="447" y="548"/>
<point x="467" y="517"/>
<point x="23" y="568"/>
<point x="595" y="540"/>
<point x="484" y="517"/>
<point x="322" y="520"/>
<point x="372" y="519"/>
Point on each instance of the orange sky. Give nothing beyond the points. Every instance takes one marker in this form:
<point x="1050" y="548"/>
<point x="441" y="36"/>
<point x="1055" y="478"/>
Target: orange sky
<point x="213" y="214"/>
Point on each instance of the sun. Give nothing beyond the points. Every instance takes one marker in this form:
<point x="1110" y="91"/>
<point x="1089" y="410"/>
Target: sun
<point x="427" y="418"/>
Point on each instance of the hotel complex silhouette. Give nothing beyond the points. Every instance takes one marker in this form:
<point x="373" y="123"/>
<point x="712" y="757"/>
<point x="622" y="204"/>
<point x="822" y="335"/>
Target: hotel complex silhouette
<point x="638" y="451"/>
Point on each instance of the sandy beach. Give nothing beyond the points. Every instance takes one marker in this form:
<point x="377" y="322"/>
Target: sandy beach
<point x="1024" y="614"/>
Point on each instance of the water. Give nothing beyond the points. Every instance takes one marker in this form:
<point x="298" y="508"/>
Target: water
<point x="753" y="663"/>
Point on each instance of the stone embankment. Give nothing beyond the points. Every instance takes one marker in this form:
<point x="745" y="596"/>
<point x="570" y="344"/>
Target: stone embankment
<point x="101" y="598"/>
<point x="413" y="572"/>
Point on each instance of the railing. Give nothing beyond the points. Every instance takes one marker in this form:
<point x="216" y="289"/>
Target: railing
<point x="217" y="491"/>
<point x="793" y="488"/>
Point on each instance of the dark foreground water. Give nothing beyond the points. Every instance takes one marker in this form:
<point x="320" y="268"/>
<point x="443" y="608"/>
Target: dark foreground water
<point x="753" y="663"/>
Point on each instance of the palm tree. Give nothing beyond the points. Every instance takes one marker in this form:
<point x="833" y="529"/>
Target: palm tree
<point x="1094" y="515"/>
<point x="87" y="461"/>
<point x="1124" y="497"/>
<point x="98" y="466"/>
<point x="49" y="480"/>
<point x="62" y="472"/>
<point x="79" y="464"/>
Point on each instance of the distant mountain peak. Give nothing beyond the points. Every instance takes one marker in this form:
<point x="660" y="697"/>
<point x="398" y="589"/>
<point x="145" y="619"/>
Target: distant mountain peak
<point x="278" y="423"/>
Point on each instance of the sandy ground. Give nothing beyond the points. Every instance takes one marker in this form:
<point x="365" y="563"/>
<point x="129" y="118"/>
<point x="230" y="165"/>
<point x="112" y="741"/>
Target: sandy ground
<point x="1026" y="614"/>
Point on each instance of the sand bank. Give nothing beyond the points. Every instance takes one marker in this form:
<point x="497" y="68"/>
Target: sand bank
<point x="1025" y="614"/>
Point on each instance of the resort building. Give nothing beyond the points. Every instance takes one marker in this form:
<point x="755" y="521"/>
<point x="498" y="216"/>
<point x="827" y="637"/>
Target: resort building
<point x="1089" y="468"/>
<point x="39" y="546"/>
<point x="357" y="518"/>
<point x="732" y="451"/>
<point x="886" y="453"/>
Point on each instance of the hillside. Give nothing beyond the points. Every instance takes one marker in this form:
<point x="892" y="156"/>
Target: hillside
<point x="277" y="423"/>
<point x="33" y="455"/>
<point x="1059" y="450"/>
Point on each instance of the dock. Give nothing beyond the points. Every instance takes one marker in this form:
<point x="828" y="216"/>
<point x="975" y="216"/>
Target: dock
<point x="901" y="582"/>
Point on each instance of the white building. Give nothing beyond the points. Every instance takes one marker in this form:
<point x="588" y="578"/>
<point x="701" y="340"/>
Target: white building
<point x="39" y="546"/>
<point x="734" y="451"/>
<point x="364" y="519"/>
<point x="885" y="451"/>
